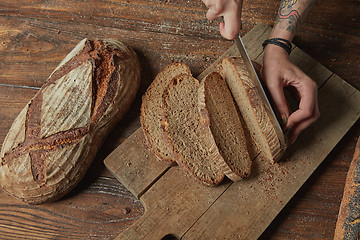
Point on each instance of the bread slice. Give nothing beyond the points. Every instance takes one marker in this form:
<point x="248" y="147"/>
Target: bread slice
<point x="185" y="134"/>
<point x="151" y="110"/>
<point x="251" y="107"/>
<point x="219" y="116"/>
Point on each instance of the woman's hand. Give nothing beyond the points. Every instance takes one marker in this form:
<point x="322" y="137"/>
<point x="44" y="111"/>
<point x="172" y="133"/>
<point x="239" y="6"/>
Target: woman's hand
<point x="230" y="10"/>
<point x="279" y="72"/>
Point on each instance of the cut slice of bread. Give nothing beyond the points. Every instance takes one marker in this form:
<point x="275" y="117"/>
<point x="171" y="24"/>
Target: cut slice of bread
<point x="185" y="134"/>
<point x="151" y="110"/>
<point x="219" y="116"/>
<point x="252" y="109"/>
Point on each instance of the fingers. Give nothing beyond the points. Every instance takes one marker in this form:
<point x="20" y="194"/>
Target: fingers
<point x="279" y="100"/>
<point x="213" y="14"/>
<point x="298" y="128"/>
<point x="216" y="9"/>
<point x="231" y="26"/>
<point x="230" y="11"/>
<point x="308" y="103"/>
<point x="308" y="111"/>
<point x="275" y="85"/>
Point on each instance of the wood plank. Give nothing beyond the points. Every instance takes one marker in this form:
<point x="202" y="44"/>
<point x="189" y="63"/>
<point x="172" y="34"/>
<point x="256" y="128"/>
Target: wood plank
<point x="37" y="66"/>
<point x="172" y="205"/>
<point x="37" y="35"/>
<point x="328" y="39"/>
<point x="32" y="40"/>
<point x="134" y="165"/>
<point x="312" y="212"/>
<point x="12" y="101"/>
<point x="99" y="208"/>
<point x="275" y="185"/>
<point x="140" y="15"/>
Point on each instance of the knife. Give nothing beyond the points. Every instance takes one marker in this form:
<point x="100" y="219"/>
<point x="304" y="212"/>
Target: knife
<point x="260" y="90"/>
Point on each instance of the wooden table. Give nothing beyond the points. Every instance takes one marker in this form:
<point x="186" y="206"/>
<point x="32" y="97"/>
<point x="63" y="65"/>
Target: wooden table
<point x="36" y="35"/>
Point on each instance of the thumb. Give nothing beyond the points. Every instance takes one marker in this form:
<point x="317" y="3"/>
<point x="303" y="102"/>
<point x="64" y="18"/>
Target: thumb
<point x="279" y="101"/>
<point x="231" y="26"/>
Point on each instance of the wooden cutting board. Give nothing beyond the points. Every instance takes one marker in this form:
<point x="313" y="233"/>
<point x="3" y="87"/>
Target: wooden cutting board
<point x="176" y="204"/>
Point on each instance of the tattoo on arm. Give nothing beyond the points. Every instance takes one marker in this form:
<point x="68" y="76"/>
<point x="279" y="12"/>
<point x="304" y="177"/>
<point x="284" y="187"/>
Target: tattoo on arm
<point x="291" y="13"/>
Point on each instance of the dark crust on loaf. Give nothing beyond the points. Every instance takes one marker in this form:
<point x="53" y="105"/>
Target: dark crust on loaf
<point x="348" y="223"/>
<point x="104" y="85"/>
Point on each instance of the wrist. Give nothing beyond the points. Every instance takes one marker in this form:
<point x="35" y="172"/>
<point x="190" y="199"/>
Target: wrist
<point x="272" y="52"/>
<point x="272" y="49"/>
<point x="279" y="32"/>
<point x="280" y="42"/>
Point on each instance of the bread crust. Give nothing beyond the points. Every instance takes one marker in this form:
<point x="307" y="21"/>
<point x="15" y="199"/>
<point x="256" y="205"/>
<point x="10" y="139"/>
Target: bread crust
<point x="348" y="222"/>
<point x="54" y="139"/>
<point x="272" y="149"/>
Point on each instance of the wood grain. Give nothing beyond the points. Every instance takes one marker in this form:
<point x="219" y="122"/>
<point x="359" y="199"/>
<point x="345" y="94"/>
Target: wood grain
<point x="102" y="210"/>
<point x="12" y="101"/>
<point x="168" y="210"/>
<point x="138" y="168"/>
<point x="32" y="35"/>
<point x="36" y="35"/>
<point x="313" y="211"/>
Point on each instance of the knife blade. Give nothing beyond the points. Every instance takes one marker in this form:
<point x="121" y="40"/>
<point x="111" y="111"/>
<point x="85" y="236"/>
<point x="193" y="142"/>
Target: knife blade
<point x="260" y="90"/>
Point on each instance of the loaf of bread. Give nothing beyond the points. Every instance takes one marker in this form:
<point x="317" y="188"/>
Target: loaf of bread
<point x="348" y="222"/>
<point x="219" y="116"/>
<point x="55" y="137"/>
<point x="251" y="107"/>
<point x="182" y="125"/>
<point x="152" y="110"/>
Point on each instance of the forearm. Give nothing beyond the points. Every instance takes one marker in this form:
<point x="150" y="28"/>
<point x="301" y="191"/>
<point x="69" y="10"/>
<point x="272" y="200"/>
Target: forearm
<point x="290" y="15"/>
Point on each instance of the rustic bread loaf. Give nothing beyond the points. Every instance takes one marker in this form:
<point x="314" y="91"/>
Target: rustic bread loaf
<point x="250" y="105"/>
<point x="151" y="111"/>
<point x="219" y="116"/>
<point x="183" y="130"/>
<point x="54" y="139"/>
<point x="348" y="222"/>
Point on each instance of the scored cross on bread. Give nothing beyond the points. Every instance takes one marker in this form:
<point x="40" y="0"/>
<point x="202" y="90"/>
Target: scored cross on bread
<point x="55" y="137"/>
